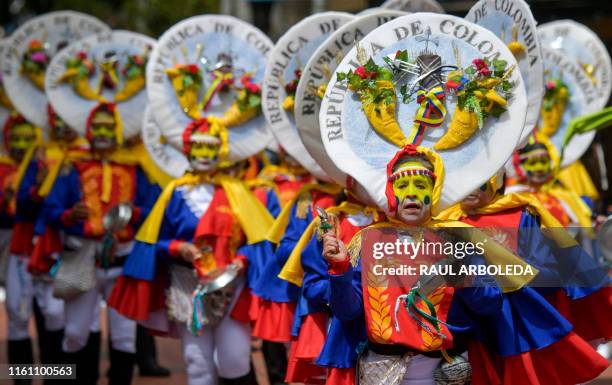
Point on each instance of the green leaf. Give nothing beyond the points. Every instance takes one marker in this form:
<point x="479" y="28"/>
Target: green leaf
<point x="254" y="100"/>
<point x="340" y="76"/>
<point x="370" y="66"/>
<point x="470" y="71"/>
<point x="403" y="56"/>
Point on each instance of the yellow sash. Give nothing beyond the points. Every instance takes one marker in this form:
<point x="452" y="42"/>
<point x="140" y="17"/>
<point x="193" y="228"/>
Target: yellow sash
<point x="494" y="253"/>
<point x="551" y="226"/>
<point x="575" y="178"/>
<point x="293" y="271"/>
<point x="252" y="215"/>
<point x="280" y="224"/>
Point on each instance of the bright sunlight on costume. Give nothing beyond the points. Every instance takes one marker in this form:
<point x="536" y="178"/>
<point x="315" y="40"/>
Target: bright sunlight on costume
<point x="417" y="183"/>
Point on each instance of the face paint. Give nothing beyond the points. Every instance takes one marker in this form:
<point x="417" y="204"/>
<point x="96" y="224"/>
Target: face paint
<point x="479" y="198"/>
<point x="21" y="138"/>
<point x="538" y="169"/>
<point x="413" y="193"/>
<point x="62" y="131"/>
<point x="204" y="156"/>
<point x="103" y="131"/>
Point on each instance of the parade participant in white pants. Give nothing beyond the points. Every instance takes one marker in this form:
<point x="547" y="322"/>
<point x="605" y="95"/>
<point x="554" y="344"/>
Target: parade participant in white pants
<point x="31" y="48"/>
<point x="99" y="202"/>
<point x="200" y="221"/>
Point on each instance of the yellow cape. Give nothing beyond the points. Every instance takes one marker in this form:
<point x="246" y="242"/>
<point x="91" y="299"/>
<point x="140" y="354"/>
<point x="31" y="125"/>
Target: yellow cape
<point x="277" y="230"/>
<point x="253" y="217"/>
<point x="551" y="227"/>
<point x="293" y="271"/>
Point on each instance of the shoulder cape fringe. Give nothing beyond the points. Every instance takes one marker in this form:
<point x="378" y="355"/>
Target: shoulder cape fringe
<point x="550" y="225"/>
<point x="292" y="271"/>
<point x="277" y="230"/>
<point x="494" y="253"/>
<point x="251" y="213"/>
<point x="576" y="178"/>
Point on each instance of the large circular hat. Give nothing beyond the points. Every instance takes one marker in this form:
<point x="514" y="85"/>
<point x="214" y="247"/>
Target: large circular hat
<point x="208" y="66"/>
<point x="315" y="76"/>
<point x="6" y="104"/>
<point x="569" y="94"/>
<point x="107" y="68"/>
<point x="436" y="81"/>
<point x="290" y="53"/>
<point x="170" y="160"/>
<point x="414" y="5"/>
<point x="31" y="48"/>
<point x="579" y="43"/>
<point x="514" y="24"/>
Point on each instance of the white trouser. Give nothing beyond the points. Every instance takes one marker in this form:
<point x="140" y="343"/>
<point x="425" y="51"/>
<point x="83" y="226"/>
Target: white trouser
<point x="224" y="349"/>
<point x="420" y="371"/>
<point x="81" y="313"/>
<point x="51" y="307"/>
<point x="20" y="291"/>
<point x="19" y="295"/>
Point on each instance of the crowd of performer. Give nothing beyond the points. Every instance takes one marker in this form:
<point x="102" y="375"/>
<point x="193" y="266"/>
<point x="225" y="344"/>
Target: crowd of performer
<point x="216" y="188"/>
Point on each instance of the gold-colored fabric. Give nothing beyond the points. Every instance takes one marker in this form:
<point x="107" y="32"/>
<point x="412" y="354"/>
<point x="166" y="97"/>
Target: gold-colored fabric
<point x="277" y="230"/>
<point x="551" y="226"/>
<point x="293" y="271"/>
<point x="576" y="178"/>
<point x="250" y="212"/>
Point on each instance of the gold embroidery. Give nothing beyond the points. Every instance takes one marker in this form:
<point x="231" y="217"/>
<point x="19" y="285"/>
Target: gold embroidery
<point x="380" y="309"/>
<point x="91" y="184"/>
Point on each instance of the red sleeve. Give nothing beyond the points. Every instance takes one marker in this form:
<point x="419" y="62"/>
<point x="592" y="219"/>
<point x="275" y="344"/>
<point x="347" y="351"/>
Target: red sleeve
<point x="338" y="267"/>
<point x="65" y="218"/>
<point x="174" y="248"/>
<point x="34" y="194"/>
<point x="136" y="213"/>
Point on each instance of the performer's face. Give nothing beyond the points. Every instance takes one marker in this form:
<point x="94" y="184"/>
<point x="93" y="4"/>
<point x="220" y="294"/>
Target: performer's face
<point x="63" y="131"/>
<point x="103" y="133"/>
<point x="413" y="194"/>
<point x="538" y="170"/>
<point x="479" y="197"/>
<point x="21" y="138"/>
<point x="203" y="156"/>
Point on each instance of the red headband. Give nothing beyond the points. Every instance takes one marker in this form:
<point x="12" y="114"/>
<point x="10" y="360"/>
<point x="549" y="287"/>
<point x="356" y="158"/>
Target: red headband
<point x="408" y="150"/>
<point x="200" y="125"/>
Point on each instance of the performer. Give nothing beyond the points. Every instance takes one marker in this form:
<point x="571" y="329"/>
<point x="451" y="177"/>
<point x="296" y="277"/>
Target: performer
<point x="20" y="139"/>
<point x="583" y="300"/>
<point x="353" y="210"/>
<point x="203" y="218"/>
<point x="30" y="54"/>
<point x="99" y="202"/>
<point x="281" y="299"/>
<point x="407" y="346"/>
